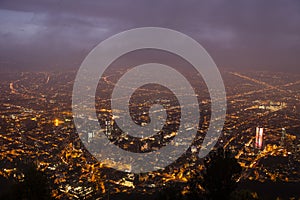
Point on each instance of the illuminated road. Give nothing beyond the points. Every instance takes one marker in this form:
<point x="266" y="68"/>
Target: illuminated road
<point x="268" y="86"/>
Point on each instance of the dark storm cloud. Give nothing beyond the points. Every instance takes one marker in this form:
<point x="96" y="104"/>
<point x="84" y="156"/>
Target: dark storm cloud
<point x="243" y="34"/>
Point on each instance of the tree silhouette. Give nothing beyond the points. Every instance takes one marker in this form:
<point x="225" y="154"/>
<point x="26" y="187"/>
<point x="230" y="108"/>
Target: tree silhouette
<point x="243" y="195"/>
<point x="219" y="180"/>
<point x="170" y="192"/>
<point x="34" y="185"/>
<point x="221" y="173"/>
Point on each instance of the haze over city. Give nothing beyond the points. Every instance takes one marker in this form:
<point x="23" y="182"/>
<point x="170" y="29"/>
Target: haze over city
<point x="58" y="34"/>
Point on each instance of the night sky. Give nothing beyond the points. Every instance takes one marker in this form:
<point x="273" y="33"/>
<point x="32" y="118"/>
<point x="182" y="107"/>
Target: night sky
<point x="58" y="34"/>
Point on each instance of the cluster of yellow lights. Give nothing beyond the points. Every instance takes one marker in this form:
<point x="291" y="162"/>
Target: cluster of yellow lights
<point x="57" y="122"/>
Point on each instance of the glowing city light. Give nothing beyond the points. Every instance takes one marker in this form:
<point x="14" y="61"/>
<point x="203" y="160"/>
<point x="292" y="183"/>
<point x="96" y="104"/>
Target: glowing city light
<point x="259" y="137"/>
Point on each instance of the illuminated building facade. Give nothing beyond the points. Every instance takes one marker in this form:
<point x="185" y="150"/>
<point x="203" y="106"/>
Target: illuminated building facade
<point x="259" y="137"/>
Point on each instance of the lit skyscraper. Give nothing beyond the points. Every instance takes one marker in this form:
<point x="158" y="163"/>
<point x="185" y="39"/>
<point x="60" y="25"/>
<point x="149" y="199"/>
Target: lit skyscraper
<point x="90" y="136"/>
<point x="283" y="133"/>
<point x="259" y="137"/>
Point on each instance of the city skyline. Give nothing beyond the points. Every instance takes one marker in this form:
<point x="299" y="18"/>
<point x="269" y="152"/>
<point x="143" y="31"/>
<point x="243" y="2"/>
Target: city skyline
<point x="36" y="122"/>
<point x="137" y="99"/>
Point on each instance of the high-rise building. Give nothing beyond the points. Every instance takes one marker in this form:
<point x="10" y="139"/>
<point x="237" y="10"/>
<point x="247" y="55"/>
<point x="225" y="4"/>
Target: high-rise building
<point x="108" y="128"/>
<point x="90" y="136"/>
<point x="283" y="133"/>
<point x="259" y="137"/>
